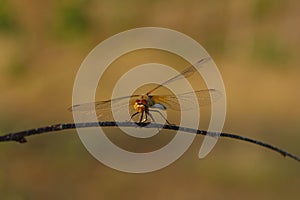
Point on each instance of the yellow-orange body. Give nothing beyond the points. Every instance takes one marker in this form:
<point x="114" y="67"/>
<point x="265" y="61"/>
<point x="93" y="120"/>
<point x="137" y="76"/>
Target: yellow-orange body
<point x="142" y="105"/>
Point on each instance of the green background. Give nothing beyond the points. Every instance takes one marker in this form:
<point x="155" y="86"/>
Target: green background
<point x="256" y="46"/>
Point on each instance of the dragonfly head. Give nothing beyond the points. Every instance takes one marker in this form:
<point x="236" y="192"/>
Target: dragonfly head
<point x="140" y="105"/>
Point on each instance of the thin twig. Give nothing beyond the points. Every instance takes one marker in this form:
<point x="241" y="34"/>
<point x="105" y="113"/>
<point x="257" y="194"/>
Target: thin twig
<point x="20" y="136"/>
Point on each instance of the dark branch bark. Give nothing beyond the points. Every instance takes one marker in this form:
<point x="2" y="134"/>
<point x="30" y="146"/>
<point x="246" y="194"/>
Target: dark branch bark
<point x="21" y="136"/>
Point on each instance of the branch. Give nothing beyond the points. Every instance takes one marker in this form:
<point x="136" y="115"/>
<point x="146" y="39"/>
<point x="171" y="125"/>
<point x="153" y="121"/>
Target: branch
<point x="20" y="136"/>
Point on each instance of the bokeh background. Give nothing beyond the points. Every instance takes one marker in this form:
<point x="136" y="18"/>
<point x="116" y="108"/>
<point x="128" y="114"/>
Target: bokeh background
<point x="256" y="46"/>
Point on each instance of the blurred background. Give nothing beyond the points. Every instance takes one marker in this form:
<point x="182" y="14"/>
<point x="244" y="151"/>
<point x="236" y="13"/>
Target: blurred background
<point x="255" y="45"/>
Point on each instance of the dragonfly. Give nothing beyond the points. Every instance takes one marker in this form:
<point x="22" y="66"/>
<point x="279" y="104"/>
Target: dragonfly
<point x="144" y="104"/>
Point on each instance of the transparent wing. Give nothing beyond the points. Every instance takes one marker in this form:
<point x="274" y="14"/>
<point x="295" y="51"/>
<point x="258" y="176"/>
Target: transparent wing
<point x="204" y="97"/>
<point x="184" y="74"/>
<point x="102" y="105"/>
<point x="103" y="108"/>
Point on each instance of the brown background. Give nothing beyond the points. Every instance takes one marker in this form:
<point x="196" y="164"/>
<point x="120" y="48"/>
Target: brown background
<point x="255" y="45"/>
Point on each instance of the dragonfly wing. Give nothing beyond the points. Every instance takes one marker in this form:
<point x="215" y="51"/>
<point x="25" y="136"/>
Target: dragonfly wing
<point x="102" y="105"/>
<point x="183" y="74"/>
<point x="204" y="97"/>
<point x="191" y="70"/>
<point x="90" y="106"/>
<point x="169" y="101"/>
<point x="103" y="109"/>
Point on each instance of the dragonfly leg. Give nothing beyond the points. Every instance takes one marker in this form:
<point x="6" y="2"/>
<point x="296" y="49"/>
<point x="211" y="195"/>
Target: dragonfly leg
<point x="141" y="119"/>
<point x="162" y="116"/>
<point x="152" y="118"/>
<point x="146" y="117"/>
<point x="134" y="115"/>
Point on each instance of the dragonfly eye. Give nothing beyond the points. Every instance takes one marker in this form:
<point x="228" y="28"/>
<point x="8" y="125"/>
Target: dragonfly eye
<point x="141" y="102"/>
<point x="144" y="102"/>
